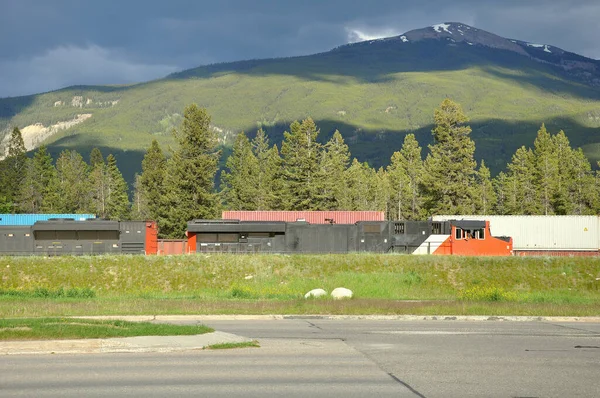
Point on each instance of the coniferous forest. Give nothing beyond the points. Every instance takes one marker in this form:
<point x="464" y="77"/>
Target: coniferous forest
<point x="550" y="177"/>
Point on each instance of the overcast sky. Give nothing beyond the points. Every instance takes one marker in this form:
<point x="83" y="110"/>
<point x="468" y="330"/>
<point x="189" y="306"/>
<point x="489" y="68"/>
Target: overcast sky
<point x="50" y="44"/>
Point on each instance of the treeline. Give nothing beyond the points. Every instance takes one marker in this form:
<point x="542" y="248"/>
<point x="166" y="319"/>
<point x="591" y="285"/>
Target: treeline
<point x="70" y="185"/>
<point x="303" y="174"/>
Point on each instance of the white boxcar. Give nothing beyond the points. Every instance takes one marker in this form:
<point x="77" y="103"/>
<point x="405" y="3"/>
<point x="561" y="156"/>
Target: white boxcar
<point x="578" y="233"/>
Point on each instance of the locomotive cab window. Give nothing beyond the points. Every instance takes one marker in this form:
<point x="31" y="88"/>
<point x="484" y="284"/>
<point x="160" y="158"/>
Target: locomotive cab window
<point x="480" y="234"/>
<point x="436" y="228"/>
<point x="459" y="233"/>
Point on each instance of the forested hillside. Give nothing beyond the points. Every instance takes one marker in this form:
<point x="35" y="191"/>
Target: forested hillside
<point x="549" y="177"/>
<point x="374" y="93"/>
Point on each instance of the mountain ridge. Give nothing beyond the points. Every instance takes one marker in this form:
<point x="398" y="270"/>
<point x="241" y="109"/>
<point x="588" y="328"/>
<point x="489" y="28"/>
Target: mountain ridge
<point x="374" y="92"/>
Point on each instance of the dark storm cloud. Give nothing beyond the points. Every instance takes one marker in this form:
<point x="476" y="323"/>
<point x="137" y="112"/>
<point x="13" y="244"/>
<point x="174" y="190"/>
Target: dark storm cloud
<point x="46" y="45"/>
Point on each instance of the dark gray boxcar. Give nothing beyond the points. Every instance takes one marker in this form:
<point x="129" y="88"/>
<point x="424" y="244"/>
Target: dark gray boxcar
<point x="16" y="240"/>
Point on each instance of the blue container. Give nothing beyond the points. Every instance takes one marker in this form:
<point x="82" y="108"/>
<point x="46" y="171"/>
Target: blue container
<point x="30" y="219"/>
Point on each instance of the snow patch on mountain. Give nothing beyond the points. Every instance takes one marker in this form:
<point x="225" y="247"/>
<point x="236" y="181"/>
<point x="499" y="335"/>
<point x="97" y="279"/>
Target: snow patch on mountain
<point x="442" y="26"/>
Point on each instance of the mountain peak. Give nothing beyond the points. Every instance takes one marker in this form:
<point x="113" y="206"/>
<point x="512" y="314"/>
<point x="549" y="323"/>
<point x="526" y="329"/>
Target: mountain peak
<point x="457" y="32"/>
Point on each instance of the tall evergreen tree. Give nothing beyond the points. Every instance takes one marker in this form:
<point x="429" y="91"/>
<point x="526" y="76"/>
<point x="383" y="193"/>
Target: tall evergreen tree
<point x="35" y="191"/>
<point x="300" y="154"/>
<point x="13" y="169"/>
<point x="486" y="196"/>
<point x="270" y="183"/>
<point x="72" y="183"/>
<point x="99" y="189"/>
<point x="117" y="201"/>
<point x="450" y="165"/>
<point x="334" y="162"/>
<point x="517" y="188"/>
<point x="241" y="183"/>
<point x="405" y="174"/>
<point x="546" y="168"/>
<point x="190" y="175"/>
<point x="96" y="157"/>
<point x="149" y="188"/>
<point x="139" y="204"/>
<point x="365" y="190"/>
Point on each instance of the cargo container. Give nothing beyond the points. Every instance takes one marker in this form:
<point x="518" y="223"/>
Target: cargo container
<point x="536" y="235"/>
<point x="311" y="217"/>
<point x="30" y="219"/>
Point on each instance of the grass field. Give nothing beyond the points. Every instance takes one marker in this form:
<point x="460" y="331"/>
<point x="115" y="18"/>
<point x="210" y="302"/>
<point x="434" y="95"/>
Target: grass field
<point x="61" y="328"/>
<point x="268" y="284"/>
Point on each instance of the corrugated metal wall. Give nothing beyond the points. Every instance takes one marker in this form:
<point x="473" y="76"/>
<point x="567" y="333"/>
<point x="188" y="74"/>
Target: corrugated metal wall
<point x="312" y="217"/>
<point x="30" y="219"/>
<point x="542" y="232"/>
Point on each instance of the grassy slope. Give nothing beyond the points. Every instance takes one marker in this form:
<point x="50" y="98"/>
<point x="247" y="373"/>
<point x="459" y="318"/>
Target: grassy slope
<point x="276" y="284"/>
<point x="373" y="94"/>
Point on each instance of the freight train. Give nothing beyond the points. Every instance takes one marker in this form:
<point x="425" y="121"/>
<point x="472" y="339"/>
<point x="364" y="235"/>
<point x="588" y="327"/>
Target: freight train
<point x="50" y="237"/>
<point x="305" y="232"/>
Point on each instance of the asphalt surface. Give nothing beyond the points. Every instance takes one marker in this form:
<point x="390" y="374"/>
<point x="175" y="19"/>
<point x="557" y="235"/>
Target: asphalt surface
<point x="345" y="357"/>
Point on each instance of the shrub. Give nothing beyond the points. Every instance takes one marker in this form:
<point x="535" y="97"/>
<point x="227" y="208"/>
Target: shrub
<point x="486" y="293"/>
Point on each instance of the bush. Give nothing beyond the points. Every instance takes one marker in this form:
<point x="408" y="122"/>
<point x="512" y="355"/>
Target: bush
<point x="486" y="293"/>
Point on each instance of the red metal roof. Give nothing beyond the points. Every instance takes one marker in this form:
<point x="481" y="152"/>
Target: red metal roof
<point x="312" y="217"/>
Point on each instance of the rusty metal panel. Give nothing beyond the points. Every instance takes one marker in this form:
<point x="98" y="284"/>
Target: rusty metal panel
<point x="311" y="217"/>
<point x="171" y="246"/>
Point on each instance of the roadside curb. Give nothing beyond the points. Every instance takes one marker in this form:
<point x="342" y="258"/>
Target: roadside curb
<point x="125" y="344"/>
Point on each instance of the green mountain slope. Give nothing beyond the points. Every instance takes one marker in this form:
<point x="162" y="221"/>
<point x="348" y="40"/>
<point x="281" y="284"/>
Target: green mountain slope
<point x="373" y="92"/>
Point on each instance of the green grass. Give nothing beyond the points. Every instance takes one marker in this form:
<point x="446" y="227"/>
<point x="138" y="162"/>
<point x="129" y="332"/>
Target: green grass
<point x="227" y="346"/>
<point x="63" y="328"/>
<point x="268" y="284"/>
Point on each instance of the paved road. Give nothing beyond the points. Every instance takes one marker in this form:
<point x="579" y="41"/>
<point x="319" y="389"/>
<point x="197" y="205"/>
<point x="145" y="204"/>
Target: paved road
<point x="337" y="358"/>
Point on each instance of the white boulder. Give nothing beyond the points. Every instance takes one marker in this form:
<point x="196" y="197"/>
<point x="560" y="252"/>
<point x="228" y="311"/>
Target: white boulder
<point x="341" y="293"/>
<point x="315" y="293"/>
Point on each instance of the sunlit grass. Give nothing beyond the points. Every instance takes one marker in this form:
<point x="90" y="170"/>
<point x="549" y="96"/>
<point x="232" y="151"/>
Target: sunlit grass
<point x="266" y="284"/>
<point x="64" y="328"/>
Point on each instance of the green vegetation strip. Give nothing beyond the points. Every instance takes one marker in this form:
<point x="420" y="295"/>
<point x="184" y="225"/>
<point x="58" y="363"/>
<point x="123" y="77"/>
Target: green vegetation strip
<point x="226" y="346"/>
<point x="276" y="284"/>
<point x="63" y="328"/>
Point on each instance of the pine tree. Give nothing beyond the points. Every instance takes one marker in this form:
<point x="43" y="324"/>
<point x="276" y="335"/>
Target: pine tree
<point x="139" y="205"/>
<point x="117" y="201"/>
<point x="270" y="182"/>
<point x="518" y="188"/>
<point x="450" y="166"/>
<point x="189" y="179"/>
<point x="405" y="174"/>
<point x="13" y="169"/>
<point x="149" y="188"/>
<point x="584" y="196"/>
<point x="334" y="162"/>
<point x="486" y="196"/>
<point x="35" y="191"/>
<point x="98" y="178"/>
<point x="241" y="183"/>
<point x="96" y="157"/>
<point x="300" y="154"/>
<point x="364" y="188"/>
<point x="72" y="183"/>
<point x="546" y="168"/>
